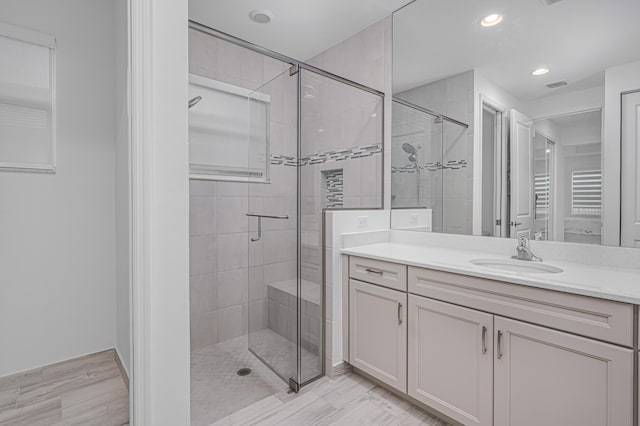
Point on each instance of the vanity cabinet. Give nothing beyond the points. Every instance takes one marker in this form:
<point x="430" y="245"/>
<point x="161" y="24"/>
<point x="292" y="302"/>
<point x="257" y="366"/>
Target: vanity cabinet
<point x="451" y="359"/>
<point x="485" y="352"/>
<point x="378" y="332"/>
<point x="547" y="377"/>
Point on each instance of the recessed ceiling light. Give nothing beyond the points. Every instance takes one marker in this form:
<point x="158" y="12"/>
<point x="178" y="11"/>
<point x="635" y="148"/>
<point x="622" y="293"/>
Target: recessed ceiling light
<point x="540" y="71"/>
<point x="261" y="16"/>
<point x="491" y="20"/>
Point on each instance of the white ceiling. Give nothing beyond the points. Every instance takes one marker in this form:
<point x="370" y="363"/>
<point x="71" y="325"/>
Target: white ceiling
<point x="576" y="39"/>
<point x="300" y="29"/>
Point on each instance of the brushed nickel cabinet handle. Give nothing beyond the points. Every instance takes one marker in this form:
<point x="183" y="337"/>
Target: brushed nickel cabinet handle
<point x="373" y="271"/>
<point x="399" y="313"/>
<point x="484" y="339"/>
<point x="499" y="344"/>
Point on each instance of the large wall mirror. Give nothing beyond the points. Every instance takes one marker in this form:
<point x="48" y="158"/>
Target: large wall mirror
<point x="518" y="117"/>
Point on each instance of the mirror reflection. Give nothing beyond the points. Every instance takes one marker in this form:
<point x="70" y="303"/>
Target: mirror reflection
<point x="511" y="118"/>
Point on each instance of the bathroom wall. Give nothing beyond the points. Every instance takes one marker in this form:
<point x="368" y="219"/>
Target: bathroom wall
<point x="617" y="80"/>
<point x="453" y="97"/>
<point x="219" y="229"/>
<point x="366" y="58"/>
<point x="123" y="193"/>
<point x="220" y="252"/>
<point x="337" y="224"/>
<point x="57" y="244"/>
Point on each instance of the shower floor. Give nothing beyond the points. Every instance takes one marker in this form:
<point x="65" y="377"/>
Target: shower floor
<point x="217" y="391"/>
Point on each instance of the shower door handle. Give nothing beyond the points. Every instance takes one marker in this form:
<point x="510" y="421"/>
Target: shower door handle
<point x="266" y="216"/>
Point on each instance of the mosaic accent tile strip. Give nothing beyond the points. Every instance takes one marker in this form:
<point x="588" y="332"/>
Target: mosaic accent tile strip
<point x="431" y="167"/>
<point x="336" y="155"/>
<point x="333" y="188"/>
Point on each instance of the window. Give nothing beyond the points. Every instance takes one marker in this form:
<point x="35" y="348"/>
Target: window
<point x="27" y="100"/>
<point x="228" y="131"/>
<point x="541" y="189"/>
<point x="586" y="193"/>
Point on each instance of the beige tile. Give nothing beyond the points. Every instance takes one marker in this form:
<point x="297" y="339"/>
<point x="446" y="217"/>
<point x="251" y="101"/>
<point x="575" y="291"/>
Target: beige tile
<point x="312" y="414"/>
<point x="43" y="413"/>
<point x="99" y="394"/>
<point x="344" y="389"/>
<point x="67" y="382"/>
<point x="119" y="411"/>
<point x="8" y="398"/>
<point x="81" y="391"/>
<point x="231" y="322"/>
<point x="21" y="379"/>
<point x="273" y="411"/>
<point x="203" y="294"/>
<point x="361" y="413"/>
<point x="204" y="330"/>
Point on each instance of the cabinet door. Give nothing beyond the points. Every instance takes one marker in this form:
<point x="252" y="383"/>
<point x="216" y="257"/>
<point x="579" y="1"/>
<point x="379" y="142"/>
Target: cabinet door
<point x="378" y="332"/>
<point x="546" y="377"/>
<point x="451" y="359"/>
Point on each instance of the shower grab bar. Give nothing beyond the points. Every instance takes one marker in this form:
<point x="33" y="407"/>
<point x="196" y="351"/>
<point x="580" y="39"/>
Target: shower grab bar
<point x="266" y="216"/>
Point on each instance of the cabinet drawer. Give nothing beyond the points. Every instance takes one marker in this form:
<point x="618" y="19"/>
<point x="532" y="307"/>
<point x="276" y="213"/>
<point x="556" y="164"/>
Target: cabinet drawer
<point x="387" y="274"/>
<point x="596" y="318"/>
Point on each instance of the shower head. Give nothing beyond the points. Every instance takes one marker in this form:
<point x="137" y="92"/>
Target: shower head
<point x="194" y="101"/>
<point x="408" y="148"/>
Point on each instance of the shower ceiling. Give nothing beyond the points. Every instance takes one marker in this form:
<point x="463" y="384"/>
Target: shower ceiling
<point x="299" y="29"/>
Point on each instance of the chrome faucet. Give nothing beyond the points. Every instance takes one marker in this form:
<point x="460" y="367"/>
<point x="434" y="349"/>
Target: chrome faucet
<point x="524" y="252"/>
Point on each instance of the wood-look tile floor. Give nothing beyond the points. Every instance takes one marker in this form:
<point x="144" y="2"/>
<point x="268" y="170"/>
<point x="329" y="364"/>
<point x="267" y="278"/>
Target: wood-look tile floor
<point x="89" y="390"/>
<point x="348" y="400"/>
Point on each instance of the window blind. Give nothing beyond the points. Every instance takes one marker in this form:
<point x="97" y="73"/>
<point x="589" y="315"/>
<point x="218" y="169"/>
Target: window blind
<point x="541" y="184"/>
<point x="586" y="192"/>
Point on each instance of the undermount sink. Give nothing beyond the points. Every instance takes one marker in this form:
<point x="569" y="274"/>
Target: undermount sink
<point x="514" y="265"/>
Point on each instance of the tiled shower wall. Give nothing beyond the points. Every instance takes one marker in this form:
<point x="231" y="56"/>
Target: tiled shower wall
<point x="452" y="97"/>
<point x="221" y="262"/>
<point x="223" y="304"/>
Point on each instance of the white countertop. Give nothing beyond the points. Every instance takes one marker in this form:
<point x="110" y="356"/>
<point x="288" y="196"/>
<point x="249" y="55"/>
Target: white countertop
<point x="618" y="284"/>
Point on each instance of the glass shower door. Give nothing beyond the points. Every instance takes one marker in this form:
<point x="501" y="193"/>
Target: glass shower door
<point x="272" y="217"/>
<point x="340" y="167"/>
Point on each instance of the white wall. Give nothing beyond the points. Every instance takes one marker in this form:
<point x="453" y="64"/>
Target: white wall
<point x="617" y="80"/>
<point x="485" y="91"/>
<point x="57" y="244"/>
<point x="339" y="223"/>
<point x="123" y="193"/>
<point x="575" y="101"/>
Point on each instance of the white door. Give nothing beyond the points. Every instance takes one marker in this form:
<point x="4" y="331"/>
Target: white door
<point x="546" y="377"/>
<point x="378" y="332"/>
<point x="522" y="195"/>
<point x="450" y="357"/>
<point x="630" y="190"/>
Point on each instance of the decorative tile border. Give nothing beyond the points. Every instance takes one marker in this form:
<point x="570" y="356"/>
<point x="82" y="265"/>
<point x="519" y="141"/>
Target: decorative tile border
<point x="431" y="167"/>
<point x="336" y="155"/>
<point x="333" y="188"/>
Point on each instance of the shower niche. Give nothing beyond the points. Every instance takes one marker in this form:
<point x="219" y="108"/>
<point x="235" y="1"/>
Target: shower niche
<point x="333" y="188"/>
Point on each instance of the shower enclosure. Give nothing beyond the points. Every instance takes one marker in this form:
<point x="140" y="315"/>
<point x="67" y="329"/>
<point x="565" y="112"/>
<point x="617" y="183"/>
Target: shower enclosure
<point x="429" y="166"/>
<point x="318" y="139"/>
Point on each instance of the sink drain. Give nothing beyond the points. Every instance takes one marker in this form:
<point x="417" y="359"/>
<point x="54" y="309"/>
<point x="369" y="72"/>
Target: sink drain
<point x="243" y="372"/>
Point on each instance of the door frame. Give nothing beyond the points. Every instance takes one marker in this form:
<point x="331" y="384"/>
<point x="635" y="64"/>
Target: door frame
<point x="159" y="212"/>
<point x="500" y="209"/>
<point x="553" y="181"/>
